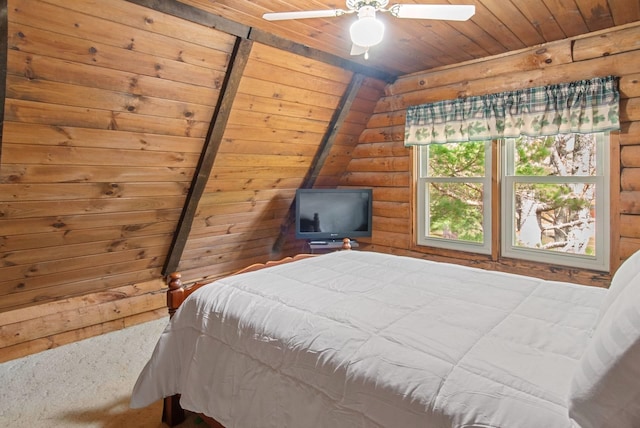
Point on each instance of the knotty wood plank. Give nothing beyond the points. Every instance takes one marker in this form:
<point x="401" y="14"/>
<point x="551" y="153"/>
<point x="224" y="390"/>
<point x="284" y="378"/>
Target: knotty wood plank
<point x="124" y="224"/>
<point x="141" y="17"/>
<point x="58" y="115"/>
<point x="267" y="214"/>
<point x="64" y="173"/>
<point x="61" y="191"/>
<point x="273" y="135"/>
<point x="196" y="15"/>
<point x="225" y="173"/>
<point x="246" y="147"/>
<point x="34" y="66"/>
<point x="42" y="344"/>
<point x="258" y="238"/>
<point x="28" y="209"/>
<point x="90" y="25"/>
<point x="266" y="88"/>
<point x="100" y="99"/>
<point x="252" y="102"/>
<point x="260" y="209"/>
<point x="46" y="274"/>
<point x="278" y="74"/>
<point x="237" y="117"/>
<point x="264" y="160"/>
<point x="4" y="29"/>
<point x="47" y="43"/>
<point x="81" y="287"/>
<point x="34" y="133"/>
<point x="64" y="262"/>
<point x="236" y="227"/>
<point x="251" y="195"/>
<point x="65" y="155"/>
<point x="77" y="318"/>
<point x="237" y="65"/>
<point x="151" y="236"/>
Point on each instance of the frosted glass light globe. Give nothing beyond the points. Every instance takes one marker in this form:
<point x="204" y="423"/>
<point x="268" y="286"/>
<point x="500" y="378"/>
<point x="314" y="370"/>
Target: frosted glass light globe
<point x="367" y="32"/>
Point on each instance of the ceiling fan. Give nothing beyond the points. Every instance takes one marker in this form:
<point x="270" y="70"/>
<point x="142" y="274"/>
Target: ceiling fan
<point x="367" y="31"/>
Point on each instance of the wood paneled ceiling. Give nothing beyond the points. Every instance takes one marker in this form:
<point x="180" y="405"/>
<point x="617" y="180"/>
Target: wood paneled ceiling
<point x="412" y="45"/>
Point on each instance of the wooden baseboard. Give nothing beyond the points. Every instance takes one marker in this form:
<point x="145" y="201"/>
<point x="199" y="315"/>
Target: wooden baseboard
<point x="33" y="329"/>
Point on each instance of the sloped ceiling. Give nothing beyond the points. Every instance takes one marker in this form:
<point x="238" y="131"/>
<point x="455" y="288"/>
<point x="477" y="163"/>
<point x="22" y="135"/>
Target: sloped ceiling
<point x="412" y="45"/>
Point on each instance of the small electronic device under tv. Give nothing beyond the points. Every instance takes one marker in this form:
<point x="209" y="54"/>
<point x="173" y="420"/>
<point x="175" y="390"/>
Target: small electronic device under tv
<point x="333" y="214"/>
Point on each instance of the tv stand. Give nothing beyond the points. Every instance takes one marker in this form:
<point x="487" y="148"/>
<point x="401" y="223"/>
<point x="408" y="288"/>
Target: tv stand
<point x="328" y="245"/>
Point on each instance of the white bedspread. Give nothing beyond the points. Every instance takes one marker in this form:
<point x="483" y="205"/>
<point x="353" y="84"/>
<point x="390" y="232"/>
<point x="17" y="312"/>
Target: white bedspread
<point x="362" y="339"/>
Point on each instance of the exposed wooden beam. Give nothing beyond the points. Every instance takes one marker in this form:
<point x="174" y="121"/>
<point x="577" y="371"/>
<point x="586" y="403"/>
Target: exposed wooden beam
<point x="4" y="44"/>
<point x="199" y="16"/>
<point x="303" y="50"/>
<point x="193" y="14"/>
<point x="324" y="149"/>
<point x="238" y="61"/>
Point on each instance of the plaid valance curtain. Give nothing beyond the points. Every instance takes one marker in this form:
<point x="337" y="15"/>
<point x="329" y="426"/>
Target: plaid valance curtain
<point x="583" y="106"/>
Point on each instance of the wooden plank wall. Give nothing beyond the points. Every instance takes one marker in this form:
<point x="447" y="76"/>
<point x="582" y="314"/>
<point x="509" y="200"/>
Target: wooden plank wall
<point x="382" y="162"/>
<point x="107" y="111"/>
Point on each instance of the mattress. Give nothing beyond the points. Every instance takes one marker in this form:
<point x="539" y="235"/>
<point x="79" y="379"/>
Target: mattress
<point x="364" y="339"/>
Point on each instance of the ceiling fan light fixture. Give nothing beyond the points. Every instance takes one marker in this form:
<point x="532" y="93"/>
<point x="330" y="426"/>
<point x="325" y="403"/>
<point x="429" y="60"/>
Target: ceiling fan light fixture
<point x="367" y="30"/>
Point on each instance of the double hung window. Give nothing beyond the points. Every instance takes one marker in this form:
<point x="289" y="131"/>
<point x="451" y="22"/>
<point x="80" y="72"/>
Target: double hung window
<point x="548" y="193"/>
<point x="554" y="196"/>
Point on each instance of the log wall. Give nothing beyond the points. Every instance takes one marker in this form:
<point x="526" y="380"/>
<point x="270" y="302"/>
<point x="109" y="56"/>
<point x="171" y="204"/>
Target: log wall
<point x="381" y="161"/>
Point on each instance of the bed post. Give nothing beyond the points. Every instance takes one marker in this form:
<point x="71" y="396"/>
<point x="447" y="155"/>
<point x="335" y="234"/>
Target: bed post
<point x="346" y="244"/>
<point x="172" y="413"/>
<point x="175" y="293"/>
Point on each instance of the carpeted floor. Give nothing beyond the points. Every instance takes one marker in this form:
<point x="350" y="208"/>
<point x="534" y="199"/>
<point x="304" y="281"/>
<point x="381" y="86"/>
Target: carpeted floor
<point x="83" y="384"/>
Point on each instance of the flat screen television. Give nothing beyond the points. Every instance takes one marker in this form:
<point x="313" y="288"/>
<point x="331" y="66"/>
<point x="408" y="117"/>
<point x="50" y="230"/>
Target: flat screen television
<point x="333" y="214"/>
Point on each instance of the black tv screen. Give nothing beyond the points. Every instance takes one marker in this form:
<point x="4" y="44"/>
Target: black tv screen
<point x="327" y="214"/>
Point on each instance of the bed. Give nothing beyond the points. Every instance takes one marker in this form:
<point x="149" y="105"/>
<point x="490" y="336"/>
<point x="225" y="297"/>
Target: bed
<point x="364" y="339"/>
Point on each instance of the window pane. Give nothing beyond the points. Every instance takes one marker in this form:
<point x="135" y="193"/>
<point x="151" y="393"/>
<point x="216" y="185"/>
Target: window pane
<point x="455" y="211"/>
<point x="456" y="160"/>
<point x="558" y="155"/>
<point x="555" y="217"/>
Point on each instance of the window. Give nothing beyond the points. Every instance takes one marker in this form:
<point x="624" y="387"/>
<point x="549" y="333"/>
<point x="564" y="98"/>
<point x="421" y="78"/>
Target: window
<point x="454" y="196"/>
<point x="554" y="198"/>
<point x="555" y="195"/>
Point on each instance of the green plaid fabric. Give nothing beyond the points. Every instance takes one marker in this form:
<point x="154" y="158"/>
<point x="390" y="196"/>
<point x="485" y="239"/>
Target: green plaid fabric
<point x="584" y="106"/>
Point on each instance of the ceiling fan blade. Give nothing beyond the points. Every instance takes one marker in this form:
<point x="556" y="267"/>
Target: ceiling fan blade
<point x="303" y="14"/>
<point x="448" y="12"/>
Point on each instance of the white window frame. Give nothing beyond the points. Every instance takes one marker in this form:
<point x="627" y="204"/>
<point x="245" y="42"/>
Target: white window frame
<point x="422" y="228"/>
<point x="602" y="215"/>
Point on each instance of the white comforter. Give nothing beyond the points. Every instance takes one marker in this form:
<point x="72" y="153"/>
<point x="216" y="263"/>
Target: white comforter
<point x="362" y="339"/>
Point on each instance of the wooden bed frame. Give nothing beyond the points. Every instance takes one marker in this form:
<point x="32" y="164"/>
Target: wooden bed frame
<point x="172" y="413"/>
